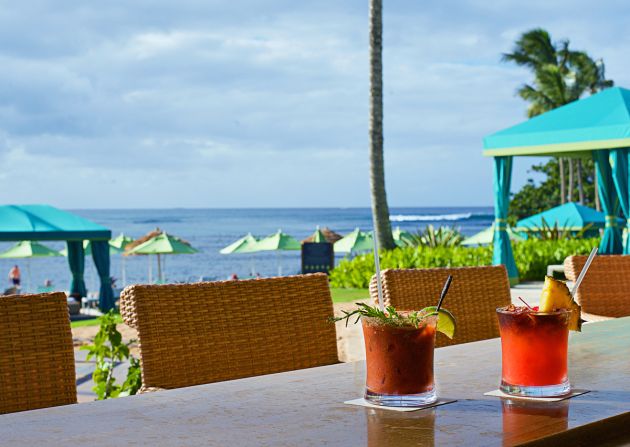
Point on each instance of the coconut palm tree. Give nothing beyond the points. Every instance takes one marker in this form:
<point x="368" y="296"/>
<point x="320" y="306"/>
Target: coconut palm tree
<point x="380" y="210"/>
<point x="561" y="76"/>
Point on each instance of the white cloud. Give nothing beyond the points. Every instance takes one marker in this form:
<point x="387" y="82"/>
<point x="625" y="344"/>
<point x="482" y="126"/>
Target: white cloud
<point x="199" y="103"/>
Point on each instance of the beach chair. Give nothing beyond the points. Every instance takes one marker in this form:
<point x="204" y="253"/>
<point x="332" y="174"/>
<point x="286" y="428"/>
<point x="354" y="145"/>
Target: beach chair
<point x="473" y="297"/>
<point x="190" y="334"/>
<point x="36" y="354"/>
<point x="604" y="292"/>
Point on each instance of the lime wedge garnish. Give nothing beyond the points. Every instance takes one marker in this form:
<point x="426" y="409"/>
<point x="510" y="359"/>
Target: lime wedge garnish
<point x="446" y="320"/>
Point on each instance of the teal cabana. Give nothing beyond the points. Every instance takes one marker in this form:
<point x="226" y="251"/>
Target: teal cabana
<point x="46" y="223"/>
<point x="597" y="127"/>
<point x="569" y="217"/>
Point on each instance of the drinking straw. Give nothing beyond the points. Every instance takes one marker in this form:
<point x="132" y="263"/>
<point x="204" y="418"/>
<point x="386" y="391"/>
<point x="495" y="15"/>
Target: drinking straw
<point x="377" y="265"/>
<point x="447" y="284"/>
<point x="587" y="264"/>
<point x="525" y="302"/>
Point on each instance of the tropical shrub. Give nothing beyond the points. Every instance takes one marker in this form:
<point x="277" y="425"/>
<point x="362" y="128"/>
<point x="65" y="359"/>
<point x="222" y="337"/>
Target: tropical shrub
<point x="436" y="237"/>
<point x="532" y="257"/>
<point x="108" y="350"/>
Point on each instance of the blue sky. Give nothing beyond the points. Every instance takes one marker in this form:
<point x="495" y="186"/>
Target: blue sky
<point x="200" y="103"/>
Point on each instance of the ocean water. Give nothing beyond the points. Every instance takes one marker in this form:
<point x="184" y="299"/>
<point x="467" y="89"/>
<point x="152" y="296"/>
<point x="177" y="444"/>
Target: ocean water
<point x="209" y="230"/>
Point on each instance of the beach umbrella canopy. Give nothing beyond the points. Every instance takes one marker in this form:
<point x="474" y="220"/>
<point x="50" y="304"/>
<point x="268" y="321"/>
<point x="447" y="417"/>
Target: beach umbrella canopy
<point x="245" y="244"/>
<point x="160" y="244"/>
<point x="570" y="216"/>
<point x="323" y="235"/>
<point x="356" y="241"/>
<point x="277" y="241"/>
<point x="121" y="241"/>
<point x="402" y="238"/>
<point x="486" y="237"/>
<point x="29" y="249"/>
<point x="163" y="244"/>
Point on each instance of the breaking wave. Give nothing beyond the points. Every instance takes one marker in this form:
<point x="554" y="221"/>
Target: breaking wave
<point x="437" y="217"/>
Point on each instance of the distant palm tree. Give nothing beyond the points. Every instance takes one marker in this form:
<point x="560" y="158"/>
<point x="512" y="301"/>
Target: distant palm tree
<point x="380" y="209"/>
<point x="561" y="76"/>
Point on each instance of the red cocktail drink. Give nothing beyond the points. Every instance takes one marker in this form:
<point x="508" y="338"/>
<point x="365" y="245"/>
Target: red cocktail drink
<point x="399" y="362"/>
<point x="534" y="351"/>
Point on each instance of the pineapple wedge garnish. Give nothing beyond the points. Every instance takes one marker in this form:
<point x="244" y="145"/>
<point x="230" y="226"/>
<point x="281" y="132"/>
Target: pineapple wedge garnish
<point x="556" y="295"/>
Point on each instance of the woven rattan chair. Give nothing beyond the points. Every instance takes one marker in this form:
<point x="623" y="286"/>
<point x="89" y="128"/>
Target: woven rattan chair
<point x="605" y="290"/>
<point x="473" y="297"/>
<point x="36" y="354"/>
<point x="192" y="334"/>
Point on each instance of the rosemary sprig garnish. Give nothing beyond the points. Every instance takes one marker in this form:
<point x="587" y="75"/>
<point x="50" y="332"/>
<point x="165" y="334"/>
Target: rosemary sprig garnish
<point x="389" y="316"/>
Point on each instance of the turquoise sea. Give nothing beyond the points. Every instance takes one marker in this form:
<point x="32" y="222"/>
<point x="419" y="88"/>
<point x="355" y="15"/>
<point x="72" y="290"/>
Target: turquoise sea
<point x="209" y="230"/>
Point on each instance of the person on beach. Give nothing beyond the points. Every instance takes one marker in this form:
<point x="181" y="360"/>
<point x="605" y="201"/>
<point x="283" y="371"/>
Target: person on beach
<point x="233" y="277"/>
<point x="14" y="276"/>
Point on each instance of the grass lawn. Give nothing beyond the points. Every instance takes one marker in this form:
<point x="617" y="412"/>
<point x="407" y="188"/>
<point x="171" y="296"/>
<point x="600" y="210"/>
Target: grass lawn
<point x="92" y="322"/>
<point x="348" y="295"/>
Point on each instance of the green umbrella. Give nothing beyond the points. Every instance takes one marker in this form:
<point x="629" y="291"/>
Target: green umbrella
<point x="318" y="237"/>
<point x="402" y="238"/>
<point x="245" y="244"/>
<point x="277" y="242"/>
<point x="26" y="250"/>
<point x="486" y="237"/>
<point x="120" y="242"/>
<point x="356" y="241"/>
<point x="162" y="244"/>
<point x="322" y="235"/>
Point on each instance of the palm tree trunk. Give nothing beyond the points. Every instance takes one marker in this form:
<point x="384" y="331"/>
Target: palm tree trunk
<point x="580" y="184"/>
<point x="563" y="194"/>
<point x="380" y="210"/>
<point x="571" y="182"/>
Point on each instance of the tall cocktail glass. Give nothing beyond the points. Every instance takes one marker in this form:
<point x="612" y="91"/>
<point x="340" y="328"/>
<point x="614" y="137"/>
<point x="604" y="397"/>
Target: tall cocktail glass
<point x="534" y="349"/>
<point x="399" y="362"/>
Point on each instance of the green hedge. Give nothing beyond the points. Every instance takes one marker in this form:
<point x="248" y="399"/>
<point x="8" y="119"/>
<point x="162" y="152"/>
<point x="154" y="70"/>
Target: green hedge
<point x="532" y="257"/>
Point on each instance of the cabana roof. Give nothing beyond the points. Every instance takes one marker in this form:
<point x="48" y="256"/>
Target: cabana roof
<point x="601" y="121"/>
<point x="47" y="223"/>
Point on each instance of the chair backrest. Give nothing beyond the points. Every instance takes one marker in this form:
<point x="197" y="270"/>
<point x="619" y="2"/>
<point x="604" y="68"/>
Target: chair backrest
<point x="36" y="353"/>
<point x="208" y="332"/>
<point x="605" y="289"/>
<point x="473" y="297"/>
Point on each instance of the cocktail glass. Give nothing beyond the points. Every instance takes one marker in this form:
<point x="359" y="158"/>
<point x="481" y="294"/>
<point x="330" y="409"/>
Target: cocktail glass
<point x="399" y="362"/>
<point x="534" y="349"/>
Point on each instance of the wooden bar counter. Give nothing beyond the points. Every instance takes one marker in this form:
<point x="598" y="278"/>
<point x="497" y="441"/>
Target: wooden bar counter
<point x="306" y="407"/>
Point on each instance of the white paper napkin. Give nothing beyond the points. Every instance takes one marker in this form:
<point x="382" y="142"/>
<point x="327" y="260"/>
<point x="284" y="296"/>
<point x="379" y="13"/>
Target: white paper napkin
<point x="364" y="403"/>
<point x="573" y="393"/>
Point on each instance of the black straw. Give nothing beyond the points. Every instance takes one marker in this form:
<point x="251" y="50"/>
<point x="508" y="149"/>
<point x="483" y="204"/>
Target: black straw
<point x="444" y="292"/>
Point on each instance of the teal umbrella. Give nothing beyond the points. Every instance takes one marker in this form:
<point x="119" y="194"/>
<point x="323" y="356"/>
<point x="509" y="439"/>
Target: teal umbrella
<point x="486" y="237"/>
<point x="277" y="242"/>
<point x="402" y="238"/>
<point x="162" y="244"/>
<point x="356" y="241"/>
<point x="570" y="216"/>
<point x="27" y="250"/>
